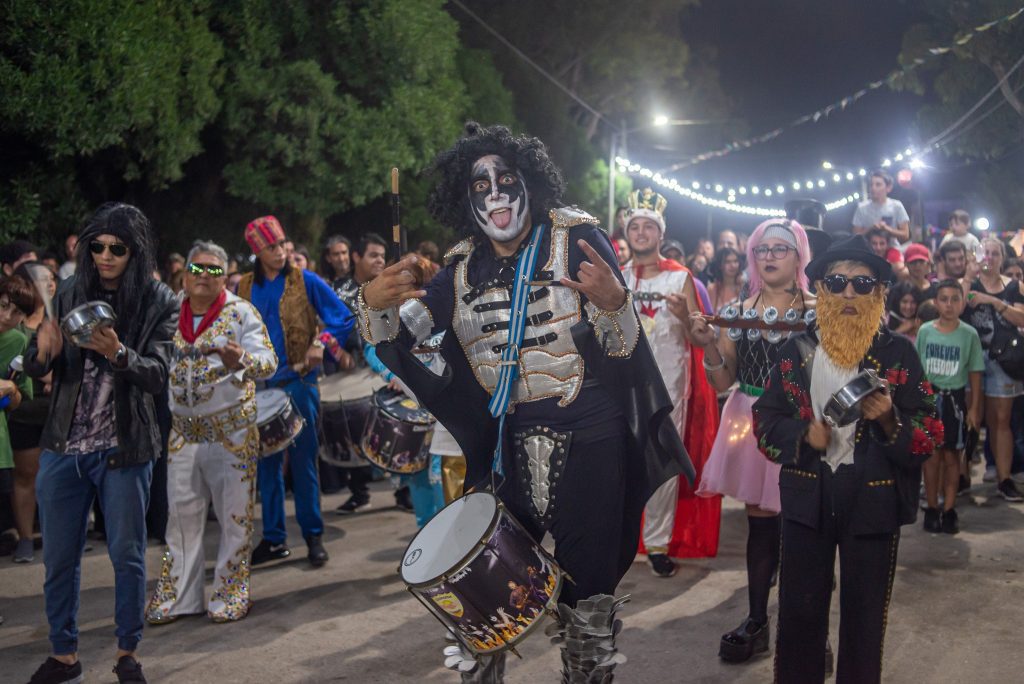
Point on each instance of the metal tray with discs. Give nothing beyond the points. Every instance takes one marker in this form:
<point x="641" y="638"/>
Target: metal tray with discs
<point x="843" y="407"/>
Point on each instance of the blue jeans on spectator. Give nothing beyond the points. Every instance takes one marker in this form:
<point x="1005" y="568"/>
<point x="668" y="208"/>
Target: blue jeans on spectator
<point x="65" y="488"/>
<point x="302" y="461"/>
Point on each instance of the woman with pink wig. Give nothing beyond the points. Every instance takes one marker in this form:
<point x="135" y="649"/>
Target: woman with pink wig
<point x="777" y="253"/>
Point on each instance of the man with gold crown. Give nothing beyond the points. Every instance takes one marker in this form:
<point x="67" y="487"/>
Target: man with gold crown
<point x="560" y="392"/>
<point x="846" y="487"/>
<point x="677" y="524"/>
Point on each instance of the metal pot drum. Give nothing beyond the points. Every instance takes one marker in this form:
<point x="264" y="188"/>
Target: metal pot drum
<point x="481" y="574"/>
<point x="80" y="322"/>
<point x="843" y="407"/>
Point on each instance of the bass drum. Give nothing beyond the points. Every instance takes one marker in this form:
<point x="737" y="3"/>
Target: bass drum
<point x="480" y="573"/>
<point x="398" y="433"/>
<point x="345" y="400"/>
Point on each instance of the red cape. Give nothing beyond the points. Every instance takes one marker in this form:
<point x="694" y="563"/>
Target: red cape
<point x="697" y="525"/>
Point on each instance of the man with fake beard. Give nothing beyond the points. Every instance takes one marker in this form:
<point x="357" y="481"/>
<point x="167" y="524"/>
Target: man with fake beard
<point x="847" y="487"/>
<point x="677" y="524"/>
<point x="589" y="439"/>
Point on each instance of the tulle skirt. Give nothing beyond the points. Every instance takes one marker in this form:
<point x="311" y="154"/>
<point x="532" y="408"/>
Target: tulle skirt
<point x="736" y="467"/>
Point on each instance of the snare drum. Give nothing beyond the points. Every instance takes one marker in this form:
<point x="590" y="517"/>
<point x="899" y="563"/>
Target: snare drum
<point x="345" y="400"/>
<point x="279" y="421"/>
<point x="481" y="574"/>
<point x="398" y="433"/>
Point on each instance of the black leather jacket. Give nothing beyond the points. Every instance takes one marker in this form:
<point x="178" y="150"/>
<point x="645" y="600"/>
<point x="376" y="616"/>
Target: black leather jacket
<point x="148" y="342"/>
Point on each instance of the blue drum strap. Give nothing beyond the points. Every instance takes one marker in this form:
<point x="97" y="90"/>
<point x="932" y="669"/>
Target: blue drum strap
<point x="516" y="326"/>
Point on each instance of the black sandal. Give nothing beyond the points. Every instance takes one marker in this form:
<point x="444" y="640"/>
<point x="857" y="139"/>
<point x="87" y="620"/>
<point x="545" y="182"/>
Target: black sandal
<point x="749" y="639"/>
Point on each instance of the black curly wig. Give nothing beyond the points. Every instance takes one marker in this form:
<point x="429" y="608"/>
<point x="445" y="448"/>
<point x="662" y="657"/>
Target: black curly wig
<point x="449" y="201"/>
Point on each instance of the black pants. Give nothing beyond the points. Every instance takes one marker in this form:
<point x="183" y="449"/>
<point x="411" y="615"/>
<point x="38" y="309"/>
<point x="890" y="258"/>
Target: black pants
<point x="587" y="523"/>
<point x="358" y="481"/>
<point x="866" y="563"/>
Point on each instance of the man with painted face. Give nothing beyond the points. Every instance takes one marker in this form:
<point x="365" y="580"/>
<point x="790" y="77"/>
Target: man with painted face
<point x="585" y="379"/>
<point x="677" y="524"/>
<point x="849" y="487"/>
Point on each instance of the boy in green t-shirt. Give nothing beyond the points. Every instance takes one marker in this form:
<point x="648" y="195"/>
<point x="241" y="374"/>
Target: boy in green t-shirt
<point x="951" y="354"/>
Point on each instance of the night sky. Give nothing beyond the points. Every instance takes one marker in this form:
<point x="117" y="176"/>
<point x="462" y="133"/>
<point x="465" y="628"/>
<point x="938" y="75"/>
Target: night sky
<point x="779" y="60"/>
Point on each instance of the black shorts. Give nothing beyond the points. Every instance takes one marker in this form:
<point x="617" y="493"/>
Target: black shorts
<point x="24" y="436"/>
<point x="952" y="409"/>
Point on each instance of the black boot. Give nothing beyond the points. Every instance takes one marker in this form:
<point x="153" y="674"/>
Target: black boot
<point x="741" y="644"/>
<point x="317" y="553"/>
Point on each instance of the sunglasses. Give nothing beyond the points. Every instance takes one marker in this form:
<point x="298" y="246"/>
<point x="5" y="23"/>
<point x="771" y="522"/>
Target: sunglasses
<point x="198" y="269"/>
<point x="116" y="248"/>
<point x="778" y="251"/>
<point x="862" y="285"/>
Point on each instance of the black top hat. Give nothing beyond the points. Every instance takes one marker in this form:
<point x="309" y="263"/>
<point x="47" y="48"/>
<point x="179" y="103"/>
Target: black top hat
<point x="810" y="213"/>
<point x="854" y="248"/>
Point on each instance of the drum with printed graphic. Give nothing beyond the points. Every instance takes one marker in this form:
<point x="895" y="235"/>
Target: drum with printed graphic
<point x="279" y="421"/>
<point x="481" y="574"/>
<point x="398" y="433"/>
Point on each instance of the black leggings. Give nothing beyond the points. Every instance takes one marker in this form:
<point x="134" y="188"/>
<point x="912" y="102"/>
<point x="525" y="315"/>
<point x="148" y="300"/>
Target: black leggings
<point x="587" y="522"/>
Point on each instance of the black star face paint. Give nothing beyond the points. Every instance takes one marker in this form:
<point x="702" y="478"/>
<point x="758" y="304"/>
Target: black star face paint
<point x="498" y="196"/>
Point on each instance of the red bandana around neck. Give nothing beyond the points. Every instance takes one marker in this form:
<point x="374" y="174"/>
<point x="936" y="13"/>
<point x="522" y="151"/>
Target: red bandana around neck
<point x="186" y="318"/>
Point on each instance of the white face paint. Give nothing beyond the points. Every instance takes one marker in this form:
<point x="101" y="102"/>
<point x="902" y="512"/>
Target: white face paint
<point x="498" y="196"/>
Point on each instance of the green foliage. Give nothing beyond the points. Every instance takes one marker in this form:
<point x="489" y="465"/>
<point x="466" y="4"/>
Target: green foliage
<point x="959" y="80"/>
<point x="321" y="102"/>
<point x="83" y="76"/>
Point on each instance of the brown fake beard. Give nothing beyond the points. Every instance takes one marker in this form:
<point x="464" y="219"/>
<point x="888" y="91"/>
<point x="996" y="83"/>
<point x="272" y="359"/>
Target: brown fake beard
<point x="845" y="338"/>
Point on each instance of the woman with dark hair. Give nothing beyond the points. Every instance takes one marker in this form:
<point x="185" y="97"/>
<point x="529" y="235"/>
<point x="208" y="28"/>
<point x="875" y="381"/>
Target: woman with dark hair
<point x="26" y="423"/>
<point x="901" y="309"/>
<point x="726" y="271"/>
<point x="103" y="434"/>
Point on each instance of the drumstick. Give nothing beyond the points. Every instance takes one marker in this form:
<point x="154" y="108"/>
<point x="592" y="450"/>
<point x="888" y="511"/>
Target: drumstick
<point x="757" y="323"/>
<point x="397" y="235"/>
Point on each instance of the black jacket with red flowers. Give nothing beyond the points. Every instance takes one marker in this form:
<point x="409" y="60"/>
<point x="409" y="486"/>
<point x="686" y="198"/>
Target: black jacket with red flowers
<point x="889" y="470"/>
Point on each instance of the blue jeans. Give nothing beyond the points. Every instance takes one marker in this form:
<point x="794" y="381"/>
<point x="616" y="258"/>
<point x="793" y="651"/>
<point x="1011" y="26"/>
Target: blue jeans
<point x="65" y="488"/>
<point x="1017" y="427"/>
<point x="302" y="461"/>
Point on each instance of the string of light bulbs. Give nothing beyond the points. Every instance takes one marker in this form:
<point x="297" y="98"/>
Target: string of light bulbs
<point x="731" y="203"/>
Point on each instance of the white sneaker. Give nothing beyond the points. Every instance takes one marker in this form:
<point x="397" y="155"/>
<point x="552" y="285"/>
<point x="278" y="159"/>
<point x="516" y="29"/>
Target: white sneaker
<point x="990" y="474"/>
<point x="1018" y="477"/>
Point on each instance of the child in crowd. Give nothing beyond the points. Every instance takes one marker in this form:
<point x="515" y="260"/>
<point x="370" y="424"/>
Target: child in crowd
<point x="959" y="229"/>
<point x="951" y="354"/>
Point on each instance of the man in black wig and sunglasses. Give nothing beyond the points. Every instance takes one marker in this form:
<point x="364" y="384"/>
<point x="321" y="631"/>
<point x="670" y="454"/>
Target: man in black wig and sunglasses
<point x="102" y="436"/>
<point x="849" y="487"/>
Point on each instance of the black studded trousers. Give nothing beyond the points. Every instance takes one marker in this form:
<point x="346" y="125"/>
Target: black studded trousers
<point x="866" y="567"/>
<point x="587" y="523"/>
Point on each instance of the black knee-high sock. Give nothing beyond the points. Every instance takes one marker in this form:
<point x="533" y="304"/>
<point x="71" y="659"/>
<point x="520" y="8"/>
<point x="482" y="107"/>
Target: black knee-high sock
<point x="762" y="559"/>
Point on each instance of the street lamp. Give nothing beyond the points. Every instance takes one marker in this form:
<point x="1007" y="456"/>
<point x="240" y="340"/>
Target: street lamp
<point x="617" y="146"/>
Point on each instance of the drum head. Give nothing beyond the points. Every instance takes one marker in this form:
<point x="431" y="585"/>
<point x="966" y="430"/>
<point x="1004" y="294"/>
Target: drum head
<point x="270" y="402"/>
<point x="449" y="537"/>
<point x="402" y="407"/>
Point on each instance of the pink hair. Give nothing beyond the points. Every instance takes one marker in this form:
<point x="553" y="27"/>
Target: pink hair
<point x="802" y="248"/>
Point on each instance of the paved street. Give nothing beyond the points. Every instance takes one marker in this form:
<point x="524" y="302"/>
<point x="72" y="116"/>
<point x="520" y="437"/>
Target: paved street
<point x="955" y="614"/>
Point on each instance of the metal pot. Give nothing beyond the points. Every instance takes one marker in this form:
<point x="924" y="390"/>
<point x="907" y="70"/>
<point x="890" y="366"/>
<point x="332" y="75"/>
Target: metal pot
<point x="80" y="322"/>
<point x="843" y="407"/>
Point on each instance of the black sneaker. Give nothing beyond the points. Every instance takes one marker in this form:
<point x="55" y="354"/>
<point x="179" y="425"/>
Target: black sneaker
<point x="353" y="505"/>
<point x="317" y="553"/>
<point x="55" y="672"/>
<point x="403" y="499"/>
<point x="661" y="564"/>
<point x="1008" y="490"/>
<point x="950" y="521"/>
<point x="265" y="552"/>
<point x="128" y="669"/>
<point x="932" y="520"/>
